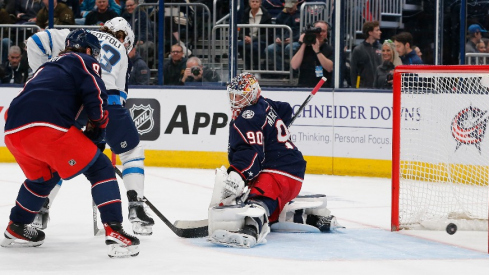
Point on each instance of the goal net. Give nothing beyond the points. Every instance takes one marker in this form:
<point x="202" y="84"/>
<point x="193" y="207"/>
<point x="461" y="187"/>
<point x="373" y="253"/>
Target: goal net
<point x="440" y="156"/>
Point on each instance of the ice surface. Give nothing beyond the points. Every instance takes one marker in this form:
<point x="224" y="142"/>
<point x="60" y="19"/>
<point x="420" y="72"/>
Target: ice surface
<point x="365" y="247"/>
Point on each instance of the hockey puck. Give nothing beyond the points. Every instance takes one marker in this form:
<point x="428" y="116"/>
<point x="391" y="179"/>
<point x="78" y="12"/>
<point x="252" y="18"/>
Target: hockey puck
<point x="451" y="228"/>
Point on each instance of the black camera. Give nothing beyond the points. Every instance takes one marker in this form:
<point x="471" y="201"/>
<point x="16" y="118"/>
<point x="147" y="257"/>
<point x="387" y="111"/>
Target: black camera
<point x="310" y="35"/>
<point x="389" y="77"/>
<point x="195" y="70"/>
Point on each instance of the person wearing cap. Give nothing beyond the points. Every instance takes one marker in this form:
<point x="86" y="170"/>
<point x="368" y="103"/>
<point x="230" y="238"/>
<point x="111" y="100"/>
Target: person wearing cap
<point x="403" y="42"/>
<point x="475" y="34"/>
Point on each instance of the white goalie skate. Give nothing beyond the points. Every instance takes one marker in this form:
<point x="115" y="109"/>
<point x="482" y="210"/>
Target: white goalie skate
<point x="242" y="226"/>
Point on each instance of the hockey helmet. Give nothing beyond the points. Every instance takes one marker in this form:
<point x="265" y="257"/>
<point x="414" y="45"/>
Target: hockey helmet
<point x="82" y="39"/>
<point x="120" y="24"/>
<point x="243" y="90"/>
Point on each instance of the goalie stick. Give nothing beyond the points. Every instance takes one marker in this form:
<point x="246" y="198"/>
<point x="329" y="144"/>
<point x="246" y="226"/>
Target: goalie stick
<point x="191" y="229"/>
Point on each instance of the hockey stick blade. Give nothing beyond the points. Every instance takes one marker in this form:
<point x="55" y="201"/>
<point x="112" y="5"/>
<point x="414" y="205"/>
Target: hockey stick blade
<point x="183" y="229"/>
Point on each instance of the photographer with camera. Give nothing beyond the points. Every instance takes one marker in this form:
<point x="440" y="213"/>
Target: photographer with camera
<point x="314" y="59"/>
<point x="196" y="73"/>
<point x="384" y="72"/>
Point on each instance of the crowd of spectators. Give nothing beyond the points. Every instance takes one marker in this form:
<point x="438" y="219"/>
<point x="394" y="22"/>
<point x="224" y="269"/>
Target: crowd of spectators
<point x="369" y="64"/>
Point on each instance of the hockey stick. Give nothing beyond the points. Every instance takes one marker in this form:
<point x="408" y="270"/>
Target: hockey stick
<point x="244" y="196"/>
<point x="197" y="229"/>
<point x="304" y="104"/>
<point x="96" y="230"/>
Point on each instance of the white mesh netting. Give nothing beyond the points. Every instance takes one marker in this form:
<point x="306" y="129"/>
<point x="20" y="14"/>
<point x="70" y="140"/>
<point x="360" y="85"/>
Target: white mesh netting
<point x="444" y="152"/>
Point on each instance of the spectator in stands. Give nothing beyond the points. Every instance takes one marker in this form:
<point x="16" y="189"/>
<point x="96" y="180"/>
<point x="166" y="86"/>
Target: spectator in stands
<point x="314" y="60"/>
<point x="74" y="5"/>
<point x="366" y="57"/>
<point x="173" y="70"/>
<point x="142" y="30"/>
<point x="275" y="7"/>
<point x="62" y="15"/>
<point x="486" y="42"/>
<point x="254" y="40"/>
<point x="403" y="42"/>
<point x="140" y="73"/>
<point x="289" y="16"/>
<point x="475" y="34"/>
<point x="89" y="5"/>
<point x="481" y="46"/>
<point x="196" y="73"/>
<point x="384" y="72"/>
<point x="27" y="10"/>
<point x="7" y="12"/>
<point x="15" y="71"/>
<point x="418" y="52"/>
<point x="101" y="14"/>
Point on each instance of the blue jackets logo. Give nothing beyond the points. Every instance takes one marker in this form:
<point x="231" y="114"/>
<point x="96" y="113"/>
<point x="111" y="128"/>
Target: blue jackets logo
<point x="469" y="127"/>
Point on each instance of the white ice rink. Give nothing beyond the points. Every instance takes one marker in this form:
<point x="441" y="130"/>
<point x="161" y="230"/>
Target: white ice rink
<point x="365" y="247"/>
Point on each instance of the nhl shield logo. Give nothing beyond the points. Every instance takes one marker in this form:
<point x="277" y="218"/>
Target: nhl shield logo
<point x="143" y="118"/>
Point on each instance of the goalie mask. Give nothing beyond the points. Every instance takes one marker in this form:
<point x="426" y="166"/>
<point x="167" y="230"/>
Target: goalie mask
<point x="120" y="24"/>
<point x="243" y="90"/>
<point x="82" y="39"/>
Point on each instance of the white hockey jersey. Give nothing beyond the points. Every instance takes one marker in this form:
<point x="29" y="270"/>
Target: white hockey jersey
<point x="114" y="62"/>
<point x="44" y="45"/>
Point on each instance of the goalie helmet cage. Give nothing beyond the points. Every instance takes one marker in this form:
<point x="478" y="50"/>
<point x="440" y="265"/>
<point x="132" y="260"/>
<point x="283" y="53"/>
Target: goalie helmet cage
<point x="440" y="155"/>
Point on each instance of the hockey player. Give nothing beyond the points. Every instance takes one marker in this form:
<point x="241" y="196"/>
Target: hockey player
<point x="116" y="38"/>
<point x="48" y="147"/>
<point x="262" y="157"/>
<point x="44" y="45"/>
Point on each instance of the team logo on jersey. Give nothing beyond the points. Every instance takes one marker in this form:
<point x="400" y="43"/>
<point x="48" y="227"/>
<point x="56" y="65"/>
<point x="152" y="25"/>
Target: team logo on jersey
<point x="143" y="118"/>
<point x="248" y="114"/>
<point x="72" y="162"/>
<point x="96" y="68"/>
<point x="469" y="127"/>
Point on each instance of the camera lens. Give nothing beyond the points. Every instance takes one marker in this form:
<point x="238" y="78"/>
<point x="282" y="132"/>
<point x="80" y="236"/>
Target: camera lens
<point x="195" y="71"/>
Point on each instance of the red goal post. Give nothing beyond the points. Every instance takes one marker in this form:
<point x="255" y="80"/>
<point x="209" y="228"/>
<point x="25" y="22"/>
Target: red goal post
<point x="440" y="152"/>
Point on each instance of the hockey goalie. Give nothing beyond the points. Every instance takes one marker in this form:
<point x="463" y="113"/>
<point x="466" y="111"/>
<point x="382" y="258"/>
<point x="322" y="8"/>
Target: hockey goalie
<point x="259" y="191"/>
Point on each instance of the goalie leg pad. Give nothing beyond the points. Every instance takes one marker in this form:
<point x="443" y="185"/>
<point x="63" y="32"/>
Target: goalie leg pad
<point x="306" y="213"/>
<point x="238" y="225"/>
<point x="133" y="170"/>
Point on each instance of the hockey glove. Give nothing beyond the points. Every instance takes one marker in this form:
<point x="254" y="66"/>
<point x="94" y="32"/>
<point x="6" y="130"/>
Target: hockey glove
<point x="95" y="129"/>
<point x="233" y="188"/>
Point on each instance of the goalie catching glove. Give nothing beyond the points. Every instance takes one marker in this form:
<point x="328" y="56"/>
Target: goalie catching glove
<point x="227" y="187"/>
<point x="95" y="129"/>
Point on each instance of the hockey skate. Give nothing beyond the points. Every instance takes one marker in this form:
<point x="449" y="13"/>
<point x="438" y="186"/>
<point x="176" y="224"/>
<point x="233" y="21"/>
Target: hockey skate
<point x="42" y="218"/>
<point x="244" y="238"/>
<point x="120" y="243"/>
<point x="142" y="224"/>
<point x="324" y="224"/>
<point x="22" y="235"/>
<point x="253" y="231"/>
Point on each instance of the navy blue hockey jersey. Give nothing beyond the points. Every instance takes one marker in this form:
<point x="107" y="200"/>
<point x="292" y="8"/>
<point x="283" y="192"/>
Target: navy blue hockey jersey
<point x="56" y="93"/>
<point x="259" y="141"/>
